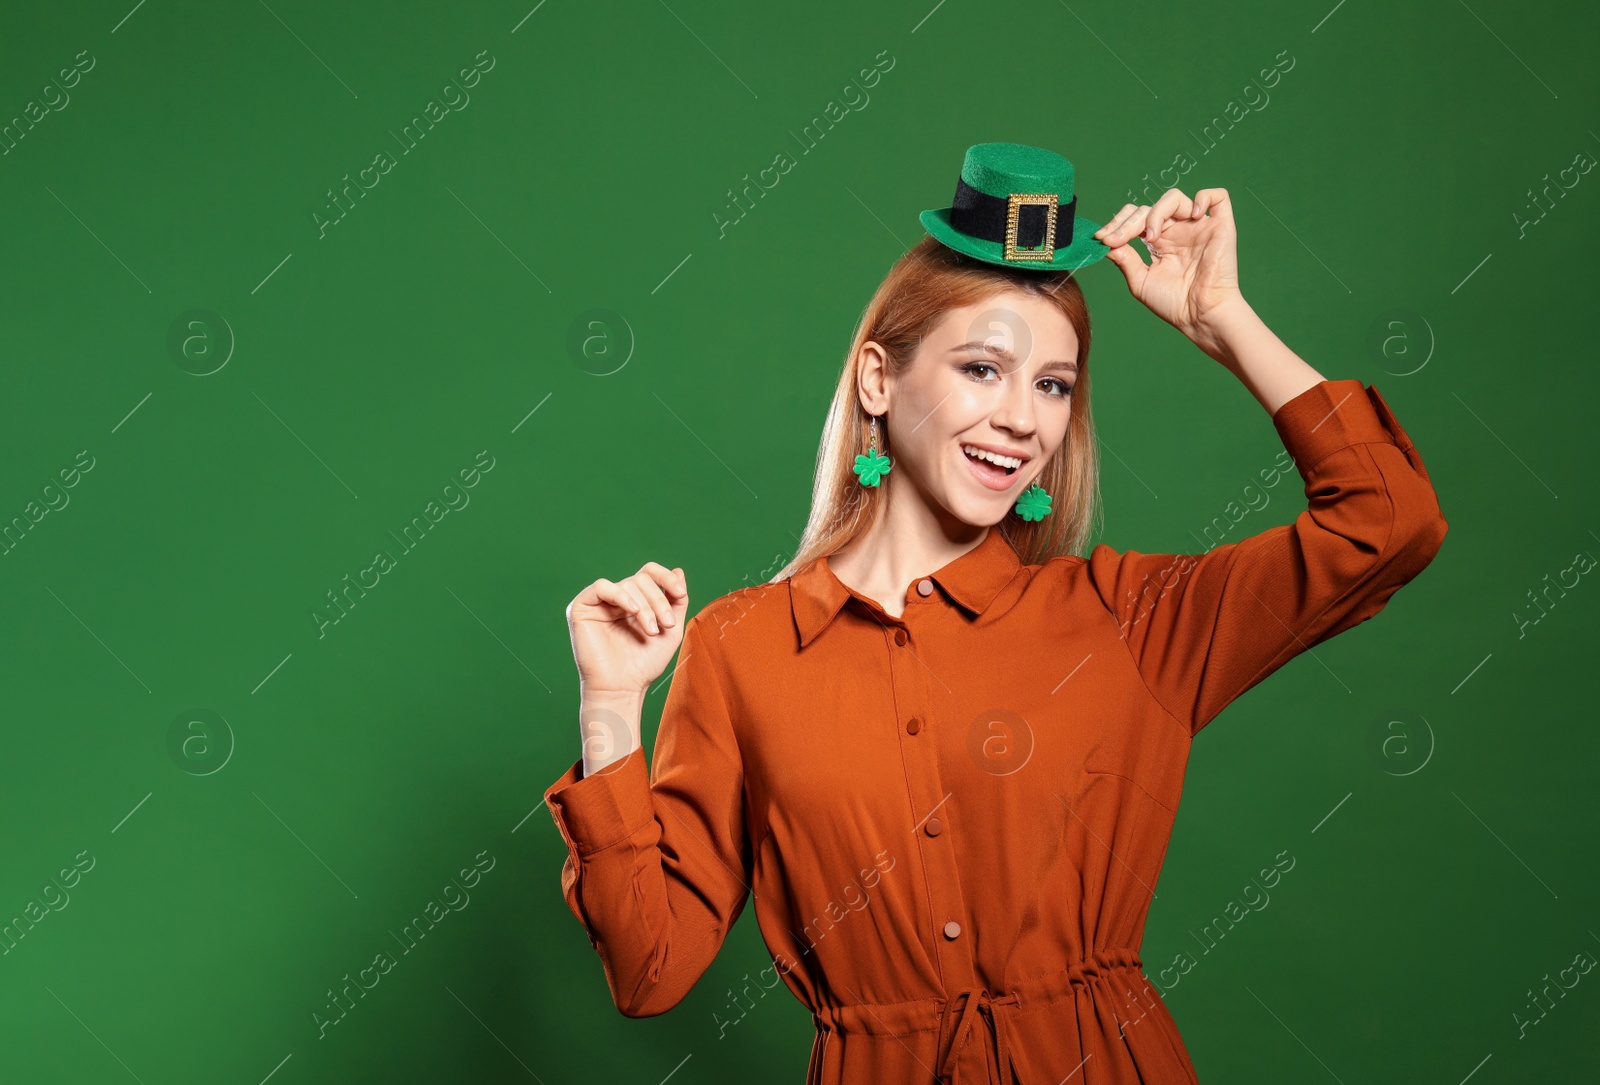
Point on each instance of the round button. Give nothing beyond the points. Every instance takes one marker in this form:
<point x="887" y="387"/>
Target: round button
<point x="924" y="587"/>
<point x="913" y="725"/>
<point x="934" y="827"/>
<point x="899" y="636"/>
<point x="952" y="929"/>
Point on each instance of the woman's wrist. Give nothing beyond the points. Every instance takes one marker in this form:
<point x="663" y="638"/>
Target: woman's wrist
<point x="609" y="726"/>
<point x="1225" y="327"/>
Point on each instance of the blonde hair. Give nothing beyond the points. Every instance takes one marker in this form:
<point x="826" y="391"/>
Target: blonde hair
<point x="923" y="285"/>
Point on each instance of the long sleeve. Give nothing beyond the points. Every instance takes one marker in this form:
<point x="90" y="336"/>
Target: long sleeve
<point x="1204" y="628"/>
<point x="657" y="868"/>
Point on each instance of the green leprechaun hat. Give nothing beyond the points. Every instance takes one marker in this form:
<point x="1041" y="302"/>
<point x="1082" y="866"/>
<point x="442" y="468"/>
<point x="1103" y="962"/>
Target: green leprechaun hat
<point x="1015" y="206"/>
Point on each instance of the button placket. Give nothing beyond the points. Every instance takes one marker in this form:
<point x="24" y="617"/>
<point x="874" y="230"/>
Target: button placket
<point x="946" y="897"/>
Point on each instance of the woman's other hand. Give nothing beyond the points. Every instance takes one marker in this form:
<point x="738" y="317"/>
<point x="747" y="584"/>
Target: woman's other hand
<point x="624" y="633"/>
<point x="1192" y="281"/>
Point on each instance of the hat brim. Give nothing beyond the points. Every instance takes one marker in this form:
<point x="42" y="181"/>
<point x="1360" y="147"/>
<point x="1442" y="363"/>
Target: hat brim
<point x="1084" y="250"/>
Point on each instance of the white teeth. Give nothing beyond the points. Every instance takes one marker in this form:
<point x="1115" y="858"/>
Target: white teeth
<point x="1008" y="462"/>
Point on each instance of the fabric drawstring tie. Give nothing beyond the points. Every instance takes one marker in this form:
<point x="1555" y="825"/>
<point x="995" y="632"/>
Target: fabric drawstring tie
<point x="974" y="999"/>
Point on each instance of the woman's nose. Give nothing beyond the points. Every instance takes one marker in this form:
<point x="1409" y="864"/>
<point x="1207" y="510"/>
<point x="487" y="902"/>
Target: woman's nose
<point x="1016" y="410"/>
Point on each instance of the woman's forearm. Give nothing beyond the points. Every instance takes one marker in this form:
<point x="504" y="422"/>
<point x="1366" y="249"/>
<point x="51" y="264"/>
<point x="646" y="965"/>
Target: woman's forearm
<point x="1242" y="342"/>
<point x="608" y="725"/>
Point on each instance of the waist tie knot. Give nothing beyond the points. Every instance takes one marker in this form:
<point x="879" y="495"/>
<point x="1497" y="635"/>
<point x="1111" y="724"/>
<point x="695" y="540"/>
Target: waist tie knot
<point x="975" y="1000"/>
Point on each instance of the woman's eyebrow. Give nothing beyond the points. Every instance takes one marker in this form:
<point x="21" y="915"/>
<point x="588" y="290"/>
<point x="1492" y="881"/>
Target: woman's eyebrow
<point x="990" y="348"/>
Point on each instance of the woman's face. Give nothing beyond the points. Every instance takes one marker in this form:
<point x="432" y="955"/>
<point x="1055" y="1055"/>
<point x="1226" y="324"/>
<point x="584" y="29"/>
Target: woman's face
<point x="995" y="376"/>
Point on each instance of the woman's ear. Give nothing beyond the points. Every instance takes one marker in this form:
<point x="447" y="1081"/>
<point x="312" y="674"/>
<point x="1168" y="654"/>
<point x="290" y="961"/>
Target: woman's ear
<point x="872" y="378"/>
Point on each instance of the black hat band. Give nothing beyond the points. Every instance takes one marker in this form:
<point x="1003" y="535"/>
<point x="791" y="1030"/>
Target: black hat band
<point x="978" y="214"/>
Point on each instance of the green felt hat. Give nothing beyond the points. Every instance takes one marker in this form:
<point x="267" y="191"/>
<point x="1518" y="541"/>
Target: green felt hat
<point x="1015" y="206"/>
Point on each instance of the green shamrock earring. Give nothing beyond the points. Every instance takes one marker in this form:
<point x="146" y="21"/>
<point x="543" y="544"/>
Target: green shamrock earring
<point x="874" y="465"/>
<point x="1034" y="504"/>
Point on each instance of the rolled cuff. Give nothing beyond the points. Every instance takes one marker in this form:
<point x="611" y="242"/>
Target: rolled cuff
<point x="594" y="812"/>
<point x="1335" y="414"/>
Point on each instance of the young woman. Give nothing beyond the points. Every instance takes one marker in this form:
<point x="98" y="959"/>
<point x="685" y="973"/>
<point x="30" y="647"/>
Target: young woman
<point x="941" y="750"/>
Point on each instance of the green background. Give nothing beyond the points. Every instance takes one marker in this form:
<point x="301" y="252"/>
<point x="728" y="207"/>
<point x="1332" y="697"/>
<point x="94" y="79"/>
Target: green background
<point x="369" y="761"/>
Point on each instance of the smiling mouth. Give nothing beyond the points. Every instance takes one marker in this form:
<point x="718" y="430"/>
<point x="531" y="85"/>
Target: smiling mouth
<point x="1007" y="464"/>
<point x="993" y="475"/>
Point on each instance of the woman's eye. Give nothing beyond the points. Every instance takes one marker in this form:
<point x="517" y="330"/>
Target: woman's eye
<point x="1059" y="387"/>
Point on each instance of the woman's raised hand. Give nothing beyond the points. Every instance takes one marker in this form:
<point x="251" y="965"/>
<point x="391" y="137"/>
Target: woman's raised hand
<point x="1192" y="279"/>
<point x="624" y="633"/>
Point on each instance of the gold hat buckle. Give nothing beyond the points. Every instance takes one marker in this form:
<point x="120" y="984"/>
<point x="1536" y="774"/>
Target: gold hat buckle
<point x="1014" y="205"/>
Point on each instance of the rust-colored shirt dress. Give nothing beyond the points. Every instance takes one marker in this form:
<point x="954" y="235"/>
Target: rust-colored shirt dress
<point x="952" y="822"/>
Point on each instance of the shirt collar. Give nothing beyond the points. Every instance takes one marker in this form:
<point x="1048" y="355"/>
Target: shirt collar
<point x="973" y="580"/>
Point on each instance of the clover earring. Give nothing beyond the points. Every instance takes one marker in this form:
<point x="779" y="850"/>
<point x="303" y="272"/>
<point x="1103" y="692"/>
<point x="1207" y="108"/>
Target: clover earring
<point x="1034" y="504"/>
<point x="871" y="467"/>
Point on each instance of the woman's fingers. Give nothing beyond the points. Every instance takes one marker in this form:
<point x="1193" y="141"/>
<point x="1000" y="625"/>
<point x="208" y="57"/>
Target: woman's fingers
<point x="1116" y="220"/>
<point x="672" y="581"/>
<point x="645" y="583"/>
<point x="611" y="594"/>
<point x="651" y="597"/>
<point x="1126" y="226"/>
<point x="1128" y="223"/>
<point x="1150" y="219"/>
<point x="1214" y="201"/>
<point x="1173" y="203"/>
<point x="640" y="609"/>
<point x="622" y="597"/>
<point x="603" y="594"/>
<point x="1130" y="263"/>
